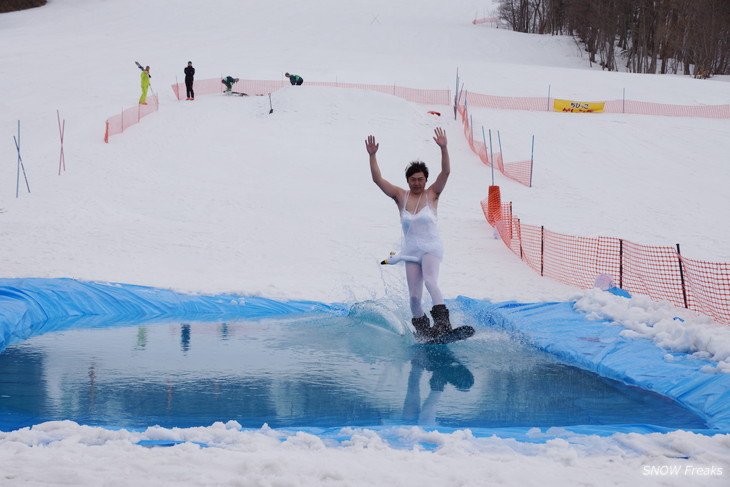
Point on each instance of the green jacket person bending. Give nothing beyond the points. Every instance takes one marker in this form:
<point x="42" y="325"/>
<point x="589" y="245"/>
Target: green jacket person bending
<point x="294" y="79"/>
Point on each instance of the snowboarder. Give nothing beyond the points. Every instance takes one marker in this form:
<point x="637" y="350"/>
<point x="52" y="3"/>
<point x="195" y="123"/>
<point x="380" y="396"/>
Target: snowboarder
<point x="145" y="85"/>
<point x="189" y="74"/>
<point x="417" y="207"/>
<point x="229" y="81"/>
<point x="294" y="79"/>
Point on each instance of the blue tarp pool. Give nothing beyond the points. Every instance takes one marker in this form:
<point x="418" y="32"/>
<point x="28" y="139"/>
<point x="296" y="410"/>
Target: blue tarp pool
<point x="117" y="355"/>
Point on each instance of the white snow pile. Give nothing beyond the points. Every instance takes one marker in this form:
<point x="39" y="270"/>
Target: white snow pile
<point x="64" y="453"/>
<point x="671" y="328"/>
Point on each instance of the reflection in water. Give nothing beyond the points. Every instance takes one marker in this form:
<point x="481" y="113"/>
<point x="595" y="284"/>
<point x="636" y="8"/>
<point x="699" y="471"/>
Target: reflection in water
<point x="312" y="371"/>
<point x="92" y="380"/>
<point x="223" y="332"/>
<point x="445" y="369"/>
<point x="184" y="337"/>
<point x="141" y="338"/>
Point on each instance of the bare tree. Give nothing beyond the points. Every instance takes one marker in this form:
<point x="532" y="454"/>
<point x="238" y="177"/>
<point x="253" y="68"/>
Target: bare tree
<point x="652" y="36"/>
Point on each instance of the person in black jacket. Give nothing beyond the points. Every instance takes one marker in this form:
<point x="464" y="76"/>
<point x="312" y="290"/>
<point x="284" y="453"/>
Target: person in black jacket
<point x="294" y="79"/>
<point x="189" y="73"/>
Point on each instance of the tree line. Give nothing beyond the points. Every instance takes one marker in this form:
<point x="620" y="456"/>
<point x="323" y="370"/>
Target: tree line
<point x="13" y="5"/>
<point x="691" y="37"/>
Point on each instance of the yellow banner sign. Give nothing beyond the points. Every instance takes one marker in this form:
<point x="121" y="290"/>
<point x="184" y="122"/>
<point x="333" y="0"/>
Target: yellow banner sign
<point x="577" y="106"/>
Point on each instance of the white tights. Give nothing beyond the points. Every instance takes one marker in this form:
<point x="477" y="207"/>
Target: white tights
<point x="417" y="274"/>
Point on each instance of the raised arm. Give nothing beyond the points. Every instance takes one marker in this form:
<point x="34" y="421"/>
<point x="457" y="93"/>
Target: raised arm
<point x="440" y="183"/>
<point x="388" y="188"/>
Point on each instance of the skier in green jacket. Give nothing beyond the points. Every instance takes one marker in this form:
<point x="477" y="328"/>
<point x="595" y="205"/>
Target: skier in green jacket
<point x="145" y="85"/>
<point x="294" y="79"/>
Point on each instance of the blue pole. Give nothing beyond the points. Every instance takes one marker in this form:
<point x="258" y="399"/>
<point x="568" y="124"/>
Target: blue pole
<point x="458" y="100"/>
<point x="484" y="138"/>
<point x="20" y="165"/>
<point x="17" y="147"/>
<point x="17" y="179"/>
<point x="532" y="158"/>
<point x="499" y="141"/>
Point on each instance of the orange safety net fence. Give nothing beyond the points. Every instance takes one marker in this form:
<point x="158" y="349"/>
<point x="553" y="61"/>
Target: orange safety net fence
<point x="131" y="116"/>
<point x="263" y="87"/>
<point x="519" y="171"/>
<point x="661" y="273"/>
<point x="488" y="20"/>
<point x="611" y="106"/>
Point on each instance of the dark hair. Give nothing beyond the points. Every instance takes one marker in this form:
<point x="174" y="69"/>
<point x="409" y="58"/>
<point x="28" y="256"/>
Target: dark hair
<point x="416" y="166"/>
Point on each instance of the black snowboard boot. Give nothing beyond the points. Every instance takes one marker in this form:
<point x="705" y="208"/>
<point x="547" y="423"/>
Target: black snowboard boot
<point x="441" y="323"/>
<point x="423" y="328"/>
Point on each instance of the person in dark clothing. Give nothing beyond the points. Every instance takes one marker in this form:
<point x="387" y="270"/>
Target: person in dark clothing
<point x="189" y="74"/>
<point x="229" y="81"/>
<point x="294" y="79"/>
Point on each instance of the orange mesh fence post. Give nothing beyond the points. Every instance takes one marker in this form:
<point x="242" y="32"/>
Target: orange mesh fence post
<point x="492" y="20"/>
<point x="520" y="171"/>
<point x="542" y="250"/>
<point x="709" y="284"/>
<point x="119" y="123"/>
<point x="263" y="87"/>
<point x="499" y="162"/>
<point x="531" y="246"/>
<point x="653" y="271"/>
<point x="494" y="205"/>
<point x="532" y="158"/>
<point x="468" y="133"/>
<point x="660" y="273"/>
<point x="509" y="219"/>
<point x="681" y="276"/>
<point x="662" y="109"/>
<point x="456" y="94"/>
<point x="502" y="220"/>
<point x="578" y="260"/>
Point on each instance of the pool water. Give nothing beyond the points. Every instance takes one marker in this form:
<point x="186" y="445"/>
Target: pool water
<point x="312" y="371"/>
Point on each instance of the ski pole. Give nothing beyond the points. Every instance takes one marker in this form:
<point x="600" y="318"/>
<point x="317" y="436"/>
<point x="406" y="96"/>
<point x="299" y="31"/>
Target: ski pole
<point x="20" y="165"/>
<point x="61" y="130"/>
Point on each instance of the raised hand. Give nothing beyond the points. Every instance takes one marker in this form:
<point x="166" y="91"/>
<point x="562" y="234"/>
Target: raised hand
<point x="371" y="146"/>
<point x="440" y="137"/>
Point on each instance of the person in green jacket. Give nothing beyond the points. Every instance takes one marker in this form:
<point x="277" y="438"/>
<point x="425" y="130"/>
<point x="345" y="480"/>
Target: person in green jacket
<point x="294" y="79"/>
<point x="145" y="85"/>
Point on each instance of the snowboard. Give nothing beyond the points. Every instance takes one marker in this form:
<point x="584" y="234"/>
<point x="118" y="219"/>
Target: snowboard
<point x="234" y="93"/>
<point x="141" y="68"/>
<point x="460" y="333"/>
